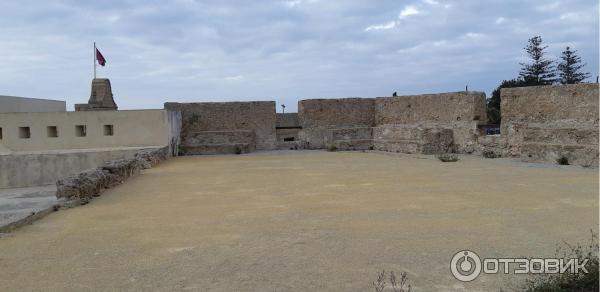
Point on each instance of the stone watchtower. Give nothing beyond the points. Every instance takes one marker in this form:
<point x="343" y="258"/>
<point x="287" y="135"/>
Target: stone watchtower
<point x="101" y="98"/>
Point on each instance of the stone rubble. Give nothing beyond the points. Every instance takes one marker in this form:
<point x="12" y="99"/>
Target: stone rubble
<point x="86" y="185"/>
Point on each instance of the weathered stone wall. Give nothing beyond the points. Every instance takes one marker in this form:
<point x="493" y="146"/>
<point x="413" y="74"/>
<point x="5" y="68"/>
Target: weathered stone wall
<point x="449" y="119"/>
<point x="544" y="123"/>
<point x="287" y="130"/>
<point x="413" y="139"/>
<point x="288" y="120"/>
<point x="457" y="112"/>
<point x="443" y="108"/>
<point x="206" y="127"/>
<point x="319" y="116"/>
<point x="333" y="113"/>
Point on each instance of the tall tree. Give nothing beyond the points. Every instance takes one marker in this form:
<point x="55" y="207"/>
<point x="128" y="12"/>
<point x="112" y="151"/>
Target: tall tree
<point x="540" y="70"/>
<point x="569" y="69"/>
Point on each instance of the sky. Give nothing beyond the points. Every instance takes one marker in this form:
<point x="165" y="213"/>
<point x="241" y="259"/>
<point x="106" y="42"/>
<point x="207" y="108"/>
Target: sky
<point x="281" y="50"/>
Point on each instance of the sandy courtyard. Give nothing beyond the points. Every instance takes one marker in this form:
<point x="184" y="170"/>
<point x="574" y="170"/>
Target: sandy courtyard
<point x="303" y="221"/>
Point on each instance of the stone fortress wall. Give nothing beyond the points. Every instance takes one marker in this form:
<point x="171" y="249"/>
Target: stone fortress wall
<point x="328" y="122"/>
<point x="544" y="123"/>
<point x="226" y="127"/>
<point x="539" y="124"/>
<point x="429" y="123"/>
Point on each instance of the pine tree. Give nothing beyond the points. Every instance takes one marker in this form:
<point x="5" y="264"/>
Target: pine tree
<point x="540" y="71"/>
<point x="569" y="70"/>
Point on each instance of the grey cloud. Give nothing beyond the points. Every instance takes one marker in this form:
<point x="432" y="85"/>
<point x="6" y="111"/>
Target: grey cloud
<point x="189" y="50"/>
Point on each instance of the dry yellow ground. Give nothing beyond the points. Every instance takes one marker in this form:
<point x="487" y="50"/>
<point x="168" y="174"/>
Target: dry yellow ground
<point x="302" y="221"/>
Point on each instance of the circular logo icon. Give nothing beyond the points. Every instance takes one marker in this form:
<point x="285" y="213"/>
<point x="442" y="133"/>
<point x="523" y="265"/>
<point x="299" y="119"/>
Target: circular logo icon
<point x="465" y="266"/>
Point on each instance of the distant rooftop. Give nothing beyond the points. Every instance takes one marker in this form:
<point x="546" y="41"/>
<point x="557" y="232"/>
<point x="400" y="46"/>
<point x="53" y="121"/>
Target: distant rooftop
<point x="16" y="104"/>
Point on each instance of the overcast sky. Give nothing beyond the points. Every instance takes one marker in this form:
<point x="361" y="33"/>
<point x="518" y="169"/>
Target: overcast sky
<point x="186" y="50"/>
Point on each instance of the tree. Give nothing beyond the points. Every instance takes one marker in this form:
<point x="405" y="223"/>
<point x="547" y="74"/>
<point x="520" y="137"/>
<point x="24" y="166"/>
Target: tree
<point x="493" y="103"/>
<point x="569" y="70"/>
<point x="540" y="71"/>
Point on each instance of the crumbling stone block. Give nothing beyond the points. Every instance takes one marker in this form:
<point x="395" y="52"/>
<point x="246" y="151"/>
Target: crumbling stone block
<point x="91" y="183"/>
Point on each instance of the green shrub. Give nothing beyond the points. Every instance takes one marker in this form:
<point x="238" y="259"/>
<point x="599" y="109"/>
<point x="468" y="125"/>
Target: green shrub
<point x="579" y="282"/>
<point x="332" y="148"/>
<point x="489" y="154"/>
<point x="238" y="150"/>
<point x="563" y="160"/>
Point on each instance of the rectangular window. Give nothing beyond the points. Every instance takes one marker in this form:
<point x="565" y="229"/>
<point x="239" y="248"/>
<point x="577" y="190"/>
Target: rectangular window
<point x="24" y="133"/>
<point x="52" y="131"/>
<point x="108" y="130"/>
<point x="0" y="133"/>
<point x="80" y="131"/>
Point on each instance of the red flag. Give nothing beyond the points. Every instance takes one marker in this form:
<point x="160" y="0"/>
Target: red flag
<point x="100" y="58"/>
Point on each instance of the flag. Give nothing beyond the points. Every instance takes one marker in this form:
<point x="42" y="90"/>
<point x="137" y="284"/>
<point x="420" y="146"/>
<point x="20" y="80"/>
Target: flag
<point x="100" y="58"/>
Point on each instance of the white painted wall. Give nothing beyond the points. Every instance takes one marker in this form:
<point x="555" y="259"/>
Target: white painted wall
<point x="132" y="128"/>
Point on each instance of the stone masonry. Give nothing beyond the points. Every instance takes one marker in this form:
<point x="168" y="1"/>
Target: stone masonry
<point x="226" y="127"/>
<point x="544" y="123"/>
<point x="430" y="123"/>
<point x="101" y="97"/>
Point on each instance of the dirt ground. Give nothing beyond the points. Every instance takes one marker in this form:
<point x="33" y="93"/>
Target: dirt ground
<point x="303" y="221"/>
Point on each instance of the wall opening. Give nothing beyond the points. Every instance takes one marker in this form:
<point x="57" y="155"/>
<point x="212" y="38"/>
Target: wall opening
<point x="108" y="130"/>
<point x="52" y="131"/>
<point x="80" y="131"/>
<point x="0" y="133"/>
<point x="288" y="139"/>
<point x="24" y="132"/>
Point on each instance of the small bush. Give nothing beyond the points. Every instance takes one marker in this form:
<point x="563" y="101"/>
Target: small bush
<point x="238" y="150"/>
<point x="448" y="157"/>
<point x="579" y="282"/>
<point x="563" y="160"/>
<point x="396" y="286"/>
<point x="332" y="148"/>
<point x="489" y="154"/>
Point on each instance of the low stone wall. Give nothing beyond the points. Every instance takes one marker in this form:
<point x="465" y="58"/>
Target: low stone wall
<point x="84" y="186"/>
<point x="545" y="123"/>
<point x="32" y="169"/>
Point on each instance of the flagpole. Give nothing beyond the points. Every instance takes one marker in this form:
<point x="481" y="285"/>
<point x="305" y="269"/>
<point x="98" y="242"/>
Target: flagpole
<point x="94" y="60"/>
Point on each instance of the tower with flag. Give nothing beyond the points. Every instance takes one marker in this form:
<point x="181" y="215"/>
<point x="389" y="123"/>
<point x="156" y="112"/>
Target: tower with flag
<point x="101" y="96"/>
